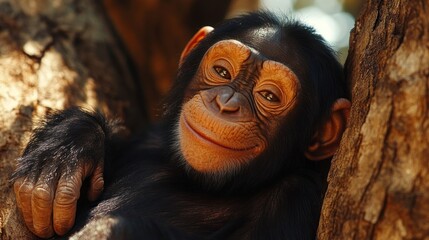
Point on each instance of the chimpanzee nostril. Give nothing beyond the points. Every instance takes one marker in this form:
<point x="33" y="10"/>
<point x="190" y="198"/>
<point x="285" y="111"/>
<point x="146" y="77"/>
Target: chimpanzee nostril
<point x="228" y="103"/>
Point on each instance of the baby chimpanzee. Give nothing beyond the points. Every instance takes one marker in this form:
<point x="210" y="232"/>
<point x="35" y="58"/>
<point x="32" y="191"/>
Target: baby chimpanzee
<point x="257" y="110"/>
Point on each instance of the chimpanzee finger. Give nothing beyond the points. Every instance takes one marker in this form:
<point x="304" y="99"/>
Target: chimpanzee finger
<point x="66" y="196"/>
<point x="23" y="188"/>
<point x="42" y="203"/>
<point x="16" y="186"/>
<point x="96" y="184"/>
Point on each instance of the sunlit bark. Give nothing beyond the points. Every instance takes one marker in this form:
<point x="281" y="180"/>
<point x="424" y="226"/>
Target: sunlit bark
<point x="379" y="180"/>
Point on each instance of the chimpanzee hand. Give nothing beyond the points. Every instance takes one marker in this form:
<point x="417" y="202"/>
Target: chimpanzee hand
<point x="61" y="154"/>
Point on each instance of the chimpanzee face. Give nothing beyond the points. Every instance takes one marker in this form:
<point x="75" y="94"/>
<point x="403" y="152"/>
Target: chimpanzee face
<point x="268" y="97"/>
<point x="233" y="106"/>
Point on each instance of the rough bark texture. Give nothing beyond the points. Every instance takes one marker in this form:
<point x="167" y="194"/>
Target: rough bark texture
<point x="54" y="54"/>
<point x="379" y="180"/>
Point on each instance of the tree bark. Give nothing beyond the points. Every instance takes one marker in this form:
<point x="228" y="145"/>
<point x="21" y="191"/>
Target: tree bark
<point x="379" y="179"/>
<point x="55" y="54"/>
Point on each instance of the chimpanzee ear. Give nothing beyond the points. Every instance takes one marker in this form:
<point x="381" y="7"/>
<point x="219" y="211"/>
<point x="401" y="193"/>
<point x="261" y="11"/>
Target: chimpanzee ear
<point x="327" y="139"/>
<point x="202" y="33"/>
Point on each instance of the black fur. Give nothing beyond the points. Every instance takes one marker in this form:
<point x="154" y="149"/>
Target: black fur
<point x="151" y="195"/>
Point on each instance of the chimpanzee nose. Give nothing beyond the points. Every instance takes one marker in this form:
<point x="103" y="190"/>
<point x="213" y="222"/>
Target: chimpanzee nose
<point x="228" y="102"/>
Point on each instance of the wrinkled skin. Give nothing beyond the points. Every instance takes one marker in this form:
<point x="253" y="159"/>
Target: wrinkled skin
<point x="231" y="127"/>
<point x="48" y="199"/>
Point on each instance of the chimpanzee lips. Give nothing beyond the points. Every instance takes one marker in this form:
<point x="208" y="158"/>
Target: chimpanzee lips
<point x="210" y="143"/>
<point x="204" y="137"/>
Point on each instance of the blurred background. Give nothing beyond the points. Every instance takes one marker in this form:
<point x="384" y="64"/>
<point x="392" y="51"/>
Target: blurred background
<point x="154" y="31"/>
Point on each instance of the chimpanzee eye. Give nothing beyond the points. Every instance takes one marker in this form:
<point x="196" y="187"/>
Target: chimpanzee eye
<point x="221" y="71"/>
<point x="269" y="96"/>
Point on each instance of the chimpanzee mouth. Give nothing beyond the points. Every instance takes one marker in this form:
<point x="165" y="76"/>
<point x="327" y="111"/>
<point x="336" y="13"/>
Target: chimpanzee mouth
<point x="204" y="138"/>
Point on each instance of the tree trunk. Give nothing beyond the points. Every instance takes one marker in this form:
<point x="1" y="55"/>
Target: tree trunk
<point x="379" y="180"/>
<point x="55" y="54"/>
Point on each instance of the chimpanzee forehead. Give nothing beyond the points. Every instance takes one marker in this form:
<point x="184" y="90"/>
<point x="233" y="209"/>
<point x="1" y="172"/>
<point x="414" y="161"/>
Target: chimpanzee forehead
<point x="268" y="43"/>
<point x="242" y="53"/>
<point x="273" y="43"/>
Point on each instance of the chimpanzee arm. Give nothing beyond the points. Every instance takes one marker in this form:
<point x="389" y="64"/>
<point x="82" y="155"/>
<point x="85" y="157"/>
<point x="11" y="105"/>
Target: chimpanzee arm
<point x="68" y="148"/>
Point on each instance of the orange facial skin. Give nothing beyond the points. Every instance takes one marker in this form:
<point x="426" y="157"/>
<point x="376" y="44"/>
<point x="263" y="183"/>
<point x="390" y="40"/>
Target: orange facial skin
<point x="211" y="144"/>
<point x="229" y="119"/>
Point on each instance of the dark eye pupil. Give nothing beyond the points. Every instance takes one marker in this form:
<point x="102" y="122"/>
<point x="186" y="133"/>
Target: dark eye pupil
<point x="269" y="96"/>
<point x="222" y="72"/>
